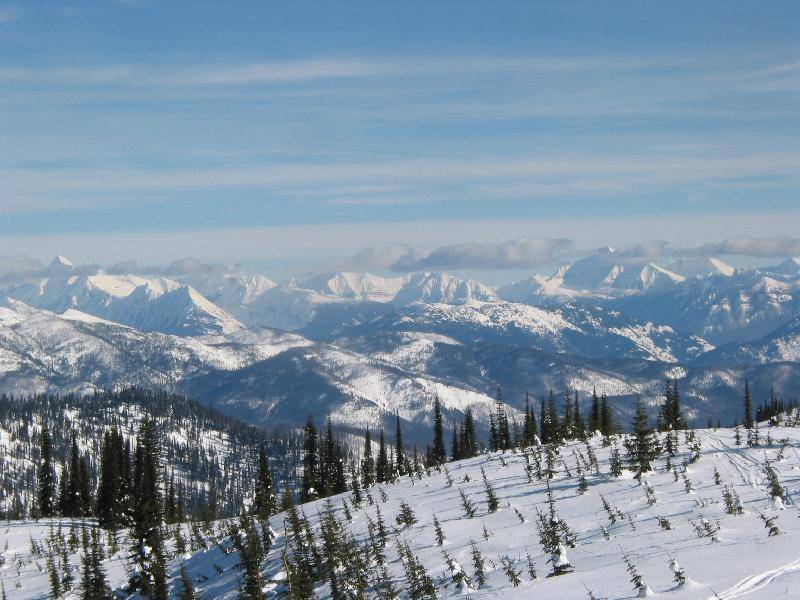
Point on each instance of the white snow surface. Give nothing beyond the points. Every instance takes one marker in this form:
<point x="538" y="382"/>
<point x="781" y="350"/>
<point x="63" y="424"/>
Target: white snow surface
<point x="744" y="562"/>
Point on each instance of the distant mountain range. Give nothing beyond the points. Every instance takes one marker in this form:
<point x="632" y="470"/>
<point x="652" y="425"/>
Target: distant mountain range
<point x="363" y="348"/>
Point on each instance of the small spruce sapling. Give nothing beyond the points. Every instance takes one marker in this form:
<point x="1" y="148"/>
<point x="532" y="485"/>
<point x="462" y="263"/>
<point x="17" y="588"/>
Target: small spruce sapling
<point x="510" y="571"/>
<point x="636" y="579"/>
<point x="437" y="527"/>
<point x="492" y="502"/>
<point x="678" y="574"/>
<point x="467" y="504"/>
<point x="531" y="567"/>
<point x="478" y="566"/>
<point x="405" y="517"/>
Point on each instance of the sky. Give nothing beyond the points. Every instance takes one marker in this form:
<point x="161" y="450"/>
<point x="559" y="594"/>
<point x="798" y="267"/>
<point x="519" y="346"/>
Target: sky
<point x="295" y="134"/>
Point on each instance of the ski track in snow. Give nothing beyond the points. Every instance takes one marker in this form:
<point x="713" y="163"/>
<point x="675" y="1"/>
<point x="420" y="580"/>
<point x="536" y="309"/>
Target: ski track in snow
<point x="757" y="582"/>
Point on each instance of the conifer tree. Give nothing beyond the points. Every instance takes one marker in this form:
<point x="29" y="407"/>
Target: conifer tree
<point x="311" y="477"/>
<point x="438" y="452"/>
<point x="367" y="462"/>
<point x="71" y="500"/>
<point x="577" y="419"/>
<point x="406" y="515"/>
<point x="510" y="571"/>
<point x="606" y="418"/>
<point x="46" y="475"/>
<point x="382" y="470"/>
<point x="467" y="504"/>
<point x="678" y="421"/>
<point x="399" y="448"/>
<point x="187" y="589"/>
<point x="615" y="462"/>
<point x="642" y="446"/>
<point x="678" y="574"/>
<point x="251" y="553"/>
<point x="529" y="431"/>
<point x="85" y="497"/>
<point x="636" y="578"/>
<point x="492" y="502"/>
<point x="503" y="432"/>
<point x="775" y="489"/>
<point x="748" y="408"/>
<point x="553" y="429"/>
<point x="469" y="443"/>
<point x="455" y="446"/>
<point x="149" y="577"/>
<point x="93" y="578"/>
<point x="544" y="427"/>
<point x="264" y="501"/>
<point x="494" y="438"/>
<point x="328" y="461"/>
<point x="437" y="528"/>
<point x="53" y="576"/>
<point x="478" y="565"/>
<point x="567" y="426"/>
<point x="665" y="412"/>
<point x="594" y="414"/>
<point x="170" y="502"/>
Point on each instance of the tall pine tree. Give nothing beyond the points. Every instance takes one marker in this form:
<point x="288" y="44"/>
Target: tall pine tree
<point x="438" y="452"/>
<point x="367" y="462"/>
<point x="399" y="449"/>
<point x="594" y="414"/>
<point x="46" y="476"/>
<point x="150" y="576"/>
<point x="264" y="501"/>
<point x="308" y="490"/>
<point x="642" y="445"/>
<point x="748" y="406"/>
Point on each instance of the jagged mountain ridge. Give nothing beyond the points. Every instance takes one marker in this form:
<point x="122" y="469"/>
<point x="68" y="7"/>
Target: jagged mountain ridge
<point x="243" y="374"/>
<point x="411" y="335"/>
<point x="148" y="304"/>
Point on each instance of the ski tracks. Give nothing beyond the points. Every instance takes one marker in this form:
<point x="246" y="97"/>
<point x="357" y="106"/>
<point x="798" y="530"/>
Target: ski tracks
<point x="757" y="581"/>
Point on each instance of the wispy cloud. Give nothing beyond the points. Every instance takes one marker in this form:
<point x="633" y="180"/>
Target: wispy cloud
<point x="7" y="15"/>
<point x="523" y="253"/>
<point x="326" y="67"/>
<point x="749" y="246"/>
<point x="530" y="253"/>
<point x="383" y="183"/>
<point x="741" y="245"/>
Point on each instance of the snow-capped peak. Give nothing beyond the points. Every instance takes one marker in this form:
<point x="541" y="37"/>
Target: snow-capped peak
<point x="363" y="286"/>
<point x="791" y="266"/>
<point x="61" y="263"/>
<point x="701" y="266"/>
<point x="442" y="288"/>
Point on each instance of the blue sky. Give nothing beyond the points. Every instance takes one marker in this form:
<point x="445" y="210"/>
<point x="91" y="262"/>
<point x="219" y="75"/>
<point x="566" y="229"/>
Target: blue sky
<point x="297" y="133"/>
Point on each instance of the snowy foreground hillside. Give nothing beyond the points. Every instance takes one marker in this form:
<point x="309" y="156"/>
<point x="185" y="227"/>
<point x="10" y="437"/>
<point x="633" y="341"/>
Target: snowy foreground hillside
<point x="679" y="513"/>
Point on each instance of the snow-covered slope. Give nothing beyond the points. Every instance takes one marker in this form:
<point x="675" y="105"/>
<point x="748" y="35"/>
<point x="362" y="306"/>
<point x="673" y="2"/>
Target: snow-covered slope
<point x="579" y="330"/>
<point x="790" y="267"/>
<point x="721" y="308"/>
<point x="148" y="304"/>
<point x="782" y="345"/>
<point x="357" y="286"/>
<point x="675" y="520"/>
<point x="609" y="271"/>
<point x="263" y="376"/>
<point x="699" y="267"/>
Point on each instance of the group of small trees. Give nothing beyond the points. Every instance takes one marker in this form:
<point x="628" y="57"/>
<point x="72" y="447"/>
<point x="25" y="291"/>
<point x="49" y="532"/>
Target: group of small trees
<point x="74" y="497"/>
<point x="323" y="463"/>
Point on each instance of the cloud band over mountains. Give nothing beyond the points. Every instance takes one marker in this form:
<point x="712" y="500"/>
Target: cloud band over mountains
<point x="527" y="253"/>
